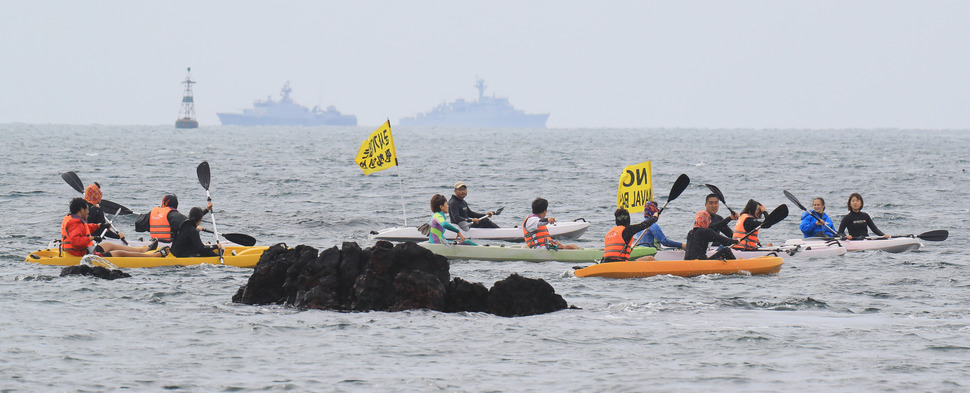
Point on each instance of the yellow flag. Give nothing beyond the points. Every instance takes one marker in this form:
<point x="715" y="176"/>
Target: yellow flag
<point x="636" y="187"/>
<point x="377" y="151"/>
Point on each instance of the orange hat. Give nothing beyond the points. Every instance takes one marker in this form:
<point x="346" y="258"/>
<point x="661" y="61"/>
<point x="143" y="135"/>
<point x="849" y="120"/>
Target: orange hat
<point x="92" y="194"/>
<point x="703" y="219"/>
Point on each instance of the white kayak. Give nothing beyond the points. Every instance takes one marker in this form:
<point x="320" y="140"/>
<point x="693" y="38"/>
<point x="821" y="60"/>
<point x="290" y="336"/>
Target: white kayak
<point x="893" y="244"/>
<point x="523" y="253"/>
<point x="559" y="230"/>
<point x="812" y="250"/>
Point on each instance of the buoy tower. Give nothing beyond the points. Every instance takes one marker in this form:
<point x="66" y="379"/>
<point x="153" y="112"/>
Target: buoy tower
<point x="187" y="112"/>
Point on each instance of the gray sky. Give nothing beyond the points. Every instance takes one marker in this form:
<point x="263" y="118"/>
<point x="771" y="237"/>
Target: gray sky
<point x="759" y="64"/>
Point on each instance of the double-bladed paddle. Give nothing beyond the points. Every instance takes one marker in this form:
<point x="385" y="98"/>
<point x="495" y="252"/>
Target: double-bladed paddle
<point x="74" y="181"/>
<point x="238" y="238"/>
<point x="112" y="226"/>
<point x="678" y="188"/>
<point x="938" y="235"/>
<point x="203" y="172"/>
<point x="773" y="218"/>
<point x="791" y="197"/>
<point x="720" y="196"/>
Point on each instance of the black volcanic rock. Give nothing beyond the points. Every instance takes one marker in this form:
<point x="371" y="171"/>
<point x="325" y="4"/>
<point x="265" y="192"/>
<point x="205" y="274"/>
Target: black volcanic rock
<point x="96" y="271"/>
<point x="385" y="277"/>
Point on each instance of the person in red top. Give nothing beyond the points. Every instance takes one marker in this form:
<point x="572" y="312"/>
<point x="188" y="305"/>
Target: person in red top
<point x="78" y="237"/>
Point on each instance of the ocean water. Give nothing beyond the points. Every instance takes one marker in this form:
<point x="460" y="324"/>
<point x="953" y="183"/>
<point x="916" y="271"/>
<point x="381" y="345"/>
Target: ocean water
<point x="860" y="322"/>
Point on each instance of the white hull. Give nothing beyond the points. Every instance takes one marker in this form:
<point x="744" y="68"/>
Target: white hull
<point x="894" y="245"/>
<point x="559" y="230"/>
<point x="820" y="250"/>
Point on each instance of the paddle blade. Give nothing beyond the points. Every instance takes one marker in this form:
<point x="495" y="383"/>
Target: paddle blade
<point x="794" y="200"/>
<point x="935" y="236"/>
<point x="776" y="215"/>
<point x="73" y="180"/>
<point x="679" y="186"/>
<point x="499" y="211"/>
<point x="240" y="239"/>
<point x="112" y="207"/>
<point x="203" y="172"/>
<point x="717" y="192"/>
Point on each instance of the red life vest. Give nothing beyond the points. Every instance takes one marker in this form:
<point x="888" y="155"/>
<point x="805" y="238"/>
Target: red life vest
<point x="74" y="249"/>
<point x="158" y="225"/>
<point x="538" y="238"/>
<point x="751" y="242"/>
<point x="614" y="248"/>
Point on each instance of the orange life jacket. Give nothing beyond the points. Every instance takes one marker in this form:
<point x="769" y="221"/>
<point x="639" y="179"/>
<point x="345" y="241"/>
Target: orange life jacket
<point x="614" y="247"/>
<point x="751" y="242"/>
<point x="73" y="249"/>
<point x="158" y="225"/>
<point x="538" y="238"/>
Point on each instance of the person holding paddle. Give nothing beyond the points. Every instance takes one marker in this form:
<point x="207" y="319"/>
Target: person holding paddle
<point x="534" y="229"/>
<point x="857" y="221"/>
<point x="816" y="223"/>
<point x="700" y="238"/>
<point x="653" y="236"/>
<point x="78" y="238"/>
<point x="748" y="226"/>
<point x="462" y="215"/>
<point x="188" y="242"/>
<point x="92" y="194"/>
<point x="438" y="223"/>
<point x="616" y="244"/>
<point x="718" y="223"/>
<point x="163" y="222"/>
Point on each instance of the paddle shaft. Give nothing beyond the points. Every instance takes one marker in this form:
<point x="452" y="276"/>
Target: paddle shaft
<point x="112" y="226"/>
<point x="794" y="200"/>
<point x="678" y="188"/>
<point x="720" y="196"/>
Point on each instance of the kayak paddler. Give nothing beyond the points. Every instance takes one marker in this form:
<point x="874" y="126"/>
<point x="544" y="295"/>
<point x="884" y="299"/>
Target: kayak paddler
<point x="654" y="236"/>
<point x="816" y="223"/>
<point x="78" y="237"/>
<point x="462" y="215"/>
<point x="718" y="223"/>
<point x="163" y="222"/>
<point x="857" y="221"/>
<point x="439" y="224"/>
<point x="747" y="222"/>
<point x="188" y="242"/>
<point x="616" y="244"/>
<point x="534" y="230"/>
<point x="700" y="238"/>
<point x="92" y="194"/>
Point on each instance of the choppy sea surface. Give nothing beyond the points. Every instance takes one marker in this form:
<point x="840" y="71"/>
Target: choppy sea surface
<point x="860" y="322"/>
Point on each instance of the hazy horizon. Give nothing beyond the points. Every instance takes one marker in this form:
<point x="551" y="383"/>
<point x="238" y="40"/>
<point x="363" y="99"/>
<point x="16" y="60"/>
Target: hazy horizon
<point x="621" y="64"/>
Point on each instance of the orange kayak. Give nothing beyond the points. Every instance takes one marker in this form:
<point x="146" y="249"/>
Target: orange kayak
<point x="633" y="269"/>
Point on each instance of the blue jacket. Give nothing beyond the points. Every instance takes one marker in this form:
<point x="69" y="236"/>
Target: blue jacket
<point x="655" y="238"/>
<point x="811" y="229"/>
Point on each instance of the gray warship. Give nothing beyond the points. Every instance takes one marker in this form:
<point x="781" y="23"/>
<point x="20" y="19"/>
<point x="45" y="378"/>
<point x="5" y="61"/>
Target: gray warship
<point x="285" y="112"/>
<point x="487" y="111"/>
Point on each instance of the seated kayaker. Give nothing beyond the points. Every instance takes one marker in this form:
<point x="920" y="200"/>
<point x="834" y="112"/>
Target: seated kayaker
<point x="857" y="221"/>
<point x="163" y="222"/>
<point x="747" y="222"/>
<point x="92" y="194"/>
<point x="616" y="244"/>
<point x="534" y="229"/>
<point x="699" y="239"/>
<point x="654" y="236"/>
<point x="188" y="242"/>
<point x="718" y="223"/>
<point x="78" y="237"/>
<point x="462" y="215"/>
<point x="816" y="223"/>
<point x="438" y="223"/>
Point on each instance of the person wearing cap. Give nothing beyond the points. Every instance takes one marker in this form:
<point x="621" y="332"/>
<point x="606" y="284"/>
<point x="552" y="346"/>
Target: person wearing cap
<point x="654" y="236"/>
<point x="700" y="238"/>
<point x="461" y="215"/>
<point x="188" y="242"/>
<point x="92" y="194"/>
<point x="164" y="221"/>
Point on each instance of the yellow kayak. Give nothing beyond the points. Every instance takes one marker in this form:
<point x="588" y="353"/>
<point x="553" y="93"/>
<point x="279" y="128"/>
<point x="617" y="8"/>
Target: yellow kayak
<point x="759" y="265"/>
<point x="234" y="256"/>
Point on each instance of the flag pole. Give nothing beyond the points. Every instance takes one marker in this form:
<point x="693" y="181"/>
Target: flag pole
<point x="403" y="206"/>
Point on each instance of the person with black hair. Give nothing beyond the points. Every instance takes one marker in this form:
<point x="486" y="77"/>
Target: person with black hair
<point x="163" y="222"/>
<point x="92" y="194"/>
<point x="747" y="222"/>
<point x="616" y="245"/>
<point x="857" y="221"/>
<point x="80" y="238"/>
<point x="534" y="229"/>
<point x="700" y="238"/>
<point x="718" y="223"/>
<point x="188" y="241"/>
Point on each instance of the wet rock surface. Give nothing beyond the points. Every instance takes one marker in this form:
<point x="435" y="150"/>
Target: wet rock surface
<point x="95" y="271"/>
<point x="385" y="277"/>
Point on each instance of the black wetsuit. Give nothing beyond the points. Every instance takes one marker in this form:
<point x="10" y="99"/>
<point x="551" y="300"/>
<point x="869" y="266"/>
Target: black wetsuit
<point x="857" y="222"/>
<point x="188" y="243"/>
<point x="458" y="212"/>
<point x="699" y="239"/>
<point x="96" y="216"/>
<point x="720" y="224"/>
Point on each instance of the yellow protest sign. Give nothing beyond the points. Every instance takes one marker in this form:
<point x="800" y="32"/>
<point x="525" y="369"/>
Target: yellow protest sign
<point x="636" y="187"/>
<point x="377" y="152"/>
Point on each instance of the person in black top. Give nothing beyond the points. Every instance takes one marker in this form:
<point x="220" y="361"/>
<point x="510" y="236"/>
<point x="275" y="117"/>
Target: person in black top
<point x="700" y="238"/>
<point x="622" y="218"/>
<point x="92" y="195"/>
<point x="718" y="223"/>
<point x="857" y="221"/>
<point x="462" y="215"/>
<point x="187" y="241"/>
